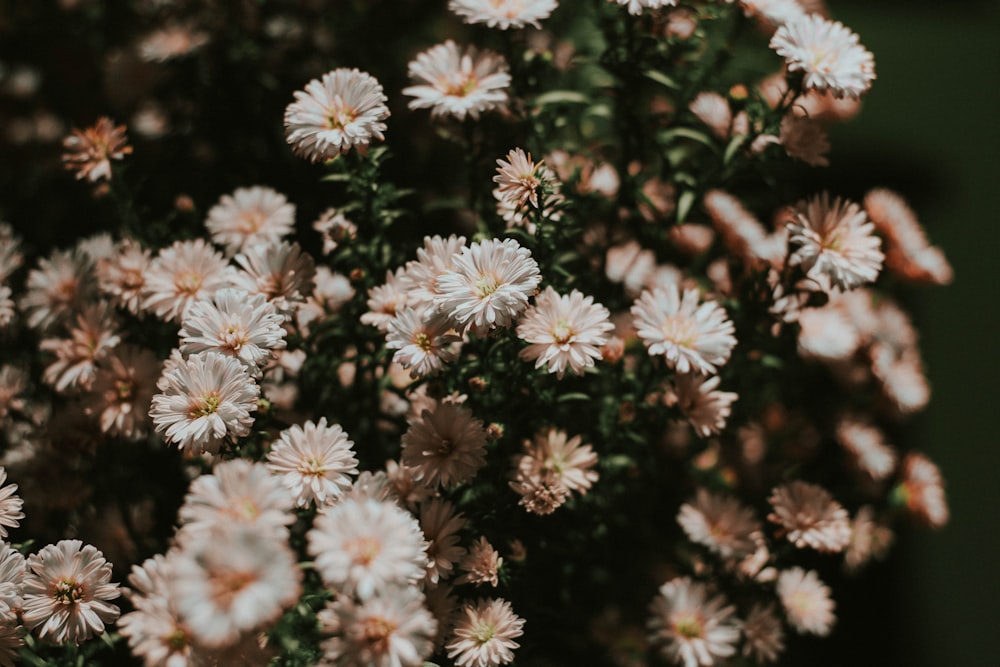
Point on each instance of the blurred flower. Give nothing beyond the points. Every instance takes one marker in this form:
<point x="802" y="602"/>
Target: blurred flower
<point x="344" y="110"/>
<point x="10" y="505"/>
<point x="908" y="253"/>
<point x="764" y="637"/>
<point x="713" y="110"/>
<point x="181" y="274"/>
<point x="335" y="229"/>
<point x="721" y="523"/>
<point x="564" y="332"/>
<point x="503" y="14"/>
<point x="283" y="272"/>
<point x="828" y="55"/>
<point x="806" y="601"/>
<point x="921" y="489"/>
<point x="706" y="408"/>
<point x="123" y="275"/>
<point x="123" y="390"/>
<point x="447" y="446"/>
<point x="440" y="523"/>
<point x="250" y="216"/>
<point x="810" y="516"/>
<point x="451" y="82"/>
<point x="93" y="337"/>
<point x="805" y="139"/>
<point x="89" y="152"/>
<point x="314" y="462"/>
<point x="481" y="565"/>
<point x="171" y="42"/>
<point x="58" y="288"/>
<point x="688" y="627"/>
<point x="636" y="6"/>
<point x="867" y="447"/>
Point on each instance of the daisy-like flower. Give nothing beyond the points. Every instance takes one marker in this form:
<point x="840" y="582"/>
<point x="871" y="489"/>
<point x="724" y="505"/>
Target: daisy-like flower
<point x="806" y="601"/>
<point x="419" y="278"/>
<point x="764" y="638"/>
<point x="553" y="452"/>
<point x="908" y="253"/>
<point x="921" y="490"/>
<point x="123" y="275"/>
<point x="481" y="565"/>
<point x="385" y="300"/>
<point x="489" y="286"/>
<point x="721" y="523"/>
<point x="335" y="229"/>
<point x="451" y="82"/>
<point x="77" y="357"/>
<point x="58" y="288"/>
<point x="635" y="7"/>
<point x="541" y="491"/>
<point x="827" y="54"/>
<point x="810" y="516"/>
<point x="12" y="570"/>
<point x="248" y="216"/>
<point x="364" y="547"/>
<point x="181" y="274"/>
<point x="835" y="243"/>
<point x="344" y="110"/>
<point x="237" y="492"/>
<point x="232" y="580"/>
<point x="689" y="627"/>
<point x="484" y="634"/>
<point x="123" y="390"/>
<point x="503" y="14"/>
<point x="706" y="408"/>
<point x="89" y="152"/>
<point x="10" y="505"/>
<point x="773" y="13"/>
<point x="391" y="630"/>
<point x="422" y="343"/>
<point x="171" y="42"/>
<point x="283" y="272"/>
<point x="441" y="524"/>
<point x="805" y="139"/>
<point x="314" y="462"/>
<point x="631" y="265"/>
<point x="827" y="334"/>
<point x="870" y="538"/>
<point x="237" y="324"/>
<point x="405" y="486"/>
<point x="519" y="179"/>
<point x="695" y="336"/>
<point x="205" y="399"/>
<point x="446" y="446"/>
<point x="867" y="447"/>
<point x="67" y="593"/>
<point x="564" y="332"/>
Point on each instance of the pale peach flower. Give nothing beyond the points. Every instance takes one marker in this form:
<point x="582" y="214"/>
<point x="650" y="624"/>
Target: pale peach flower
<point x="364" y="547"/>
<point x="314" y="462"/>
<point x="123" y="275"/>
<point x="181" y="274"/>
<point x="123" y="391"/>
<point x="441" y="523"/>
<point x="694" y="336"/>
<point x="901" y="377"/>
<point x="827" y="334"/>
<point x="67" y="593"/>
<point x="908" y="253"/>
<point x="867" y="447"/>
<point x="921" y="490"/>
<point x="343" y="110"/>
<point x="406" y="487"/>
<point x="690" y="628"/>
<point x="385" y="300"/>
<point x="805" y="139"/>
<point x="447" y="446"/>
<point x="827" y="54"/>
<point x="93" y="337"/>
<point x="721" y="523"/>
<point x="713" y="110"/>
<point x="519" y="179"/>
<point x="335" y="229"/>
<point x="870" y="538"/>
<point x="553" y="452"/>
<point x="763" y="635"/>
<point x="419" y="278"/>
<point x="806" y="601"/>
<point x="740" y="229"/>
<point x="422" y="343"/>
<point x="170" y="42"/>
<point x="484" y="634"/>
<point x="503" y="14"/>
<point x="58" y="289"/>
<point x="631" y="265"/>
<point x="283" y="272"/>
<point x="453" y="82"/>
<point x="154" y="629"/>
<point x="481" y="564"/>
<point x="542" y="491"/>
<point x="10" y="505"/>
<point x="249" y="216"/>
<point x="564" y="332"/>
<point x="705" y="407"/>
<point x="773" y="13"/>
<point x="810" y="517"/>
<point x="89" y="152"/>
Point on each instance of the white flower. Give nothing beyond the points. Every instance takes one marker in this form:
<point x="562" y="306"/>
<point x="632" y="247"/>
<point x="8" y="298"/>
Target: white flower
<point x="690" y="628"/>
<point x="451" y="82"/>
<point x="503" y="14"/>
<point x="441" y="524"/>
<point x="564" y="332"/>
<point x="706" y="408"/>
<point x="248" y="216"/>
<point x="810" y="516"/>
<point x="484" y="634"/>
<point x="828" y="55"/>
<point x="489" y="286"/>
<point x="694" y="336"/>
<point x="344" y="110"/>
<point x="314" y="461"/>
<point x="419" y="278"/>
<point x="422" y="343"/>
<point x="807" y="602"/>
<point x="181" y="274"/>
<point x="282" y="272"/>
<point x="721" y="523"/>
<point x="363" y="547"/>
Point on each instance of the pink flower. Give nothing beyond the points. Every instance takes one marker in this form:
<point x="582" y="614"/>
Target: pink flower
<point x="810" y="516"/>
<point x="314" y="462"/>
<point x="564" y="331"/>
<point x="89" y="152"/>
<point x="688" y="627"/>
<point x="447" y="446"/>
<point x="453" y="82"/>
<point x="484" y="634"/>
<point x="806" y="601"/>
<point x="248" y="216"/>
<point x="720" y="523"/>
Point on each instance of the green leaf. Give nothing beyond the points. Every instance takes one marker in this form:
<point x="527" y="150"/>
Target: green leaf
<point x="734" y="145"/>
<point x="662" y="79"/>
<point x="336" y="178"/>
<point x="561" y="97"/>
<point x="684" y="204"/>
<point x="574" y="396"/>
<point x="686" y="132"/>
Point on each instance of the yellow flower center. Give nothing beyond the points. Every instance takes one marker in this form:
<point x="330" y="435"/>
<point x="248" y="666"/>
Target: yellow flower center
<point x="67" y="592"/>
<point x="208" y="405"/>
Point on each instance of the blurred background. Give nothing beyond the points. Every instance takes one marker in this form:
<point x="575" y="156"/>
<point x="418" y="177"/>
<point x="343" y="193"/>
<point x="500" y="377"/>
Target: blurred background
<point x="928" y="129"/>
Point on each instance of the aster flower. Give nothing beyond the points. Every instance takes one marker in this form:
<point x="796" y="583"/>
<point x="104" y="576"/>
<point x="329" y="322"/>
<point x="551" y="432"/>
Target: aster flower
<point x="392" y="630"/>
<point x="154" y="630"/>
<point x="440" y="524"/>
<point x="635" y="7"/>
<point x="484" y="636"/>
<point x="519" y="179"/>
<point x="706" y="408"/>
<point x="236" y="324"/>
<point x="181" y="274"/>
<point x="764" y="638"/>
<point x="489" y="286"/>
<point x="631" y="265"/>
<point x="542" y="491"/>
<point x="564" y="332"/>
<point x="10" y="505"/>
<point x="827" y="334"/>
<point x="827" y="54"/>
<point x="123" y="390"/>
<point x="77" y="357"/>
<point x="422" y="343"/>
<point x="720" y="523"/>
<point x="249" y="216"/>
<point x="867" y="447"/>
<point x="810" y="516"/>
<point x="447" y="446"/>
<point x="385" y="300"/>
<point x="314" y="462"/>
<point x="806" y="601"/>
<point x="908" y="253"/>
<point x="553" y="451"/>
<point x="773" y="13"/>
<point x="690" y="628"/>
<point x="452" y="82"/>
<point x="283" y="272"/>
<point x="835" y="243"/>
<point x="805" y="139"/>
<point x="503" y="14"/>
<point x="740" y="229"/>
<point x="870" y="538"/>
<point x="406" y="488"/>
<point x="205" y="399"/>
<point x="364" y="547"/>
<point x="89" y="152"/>
<point x="58" y="288"/>
<point x="695" y="336"/>
<point x="418" y="280"/>
<point x="123" y="275"/>
<point x="921" y="490"/>
<point x="481" y="564"/>
<point x="67" y="593"/>
<point x="231" y="580"/>
<point x="344" y="110"/>
<point x="335" y="229"/>
<point x="237" y="492"/>
<point x="12" y="570"/>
